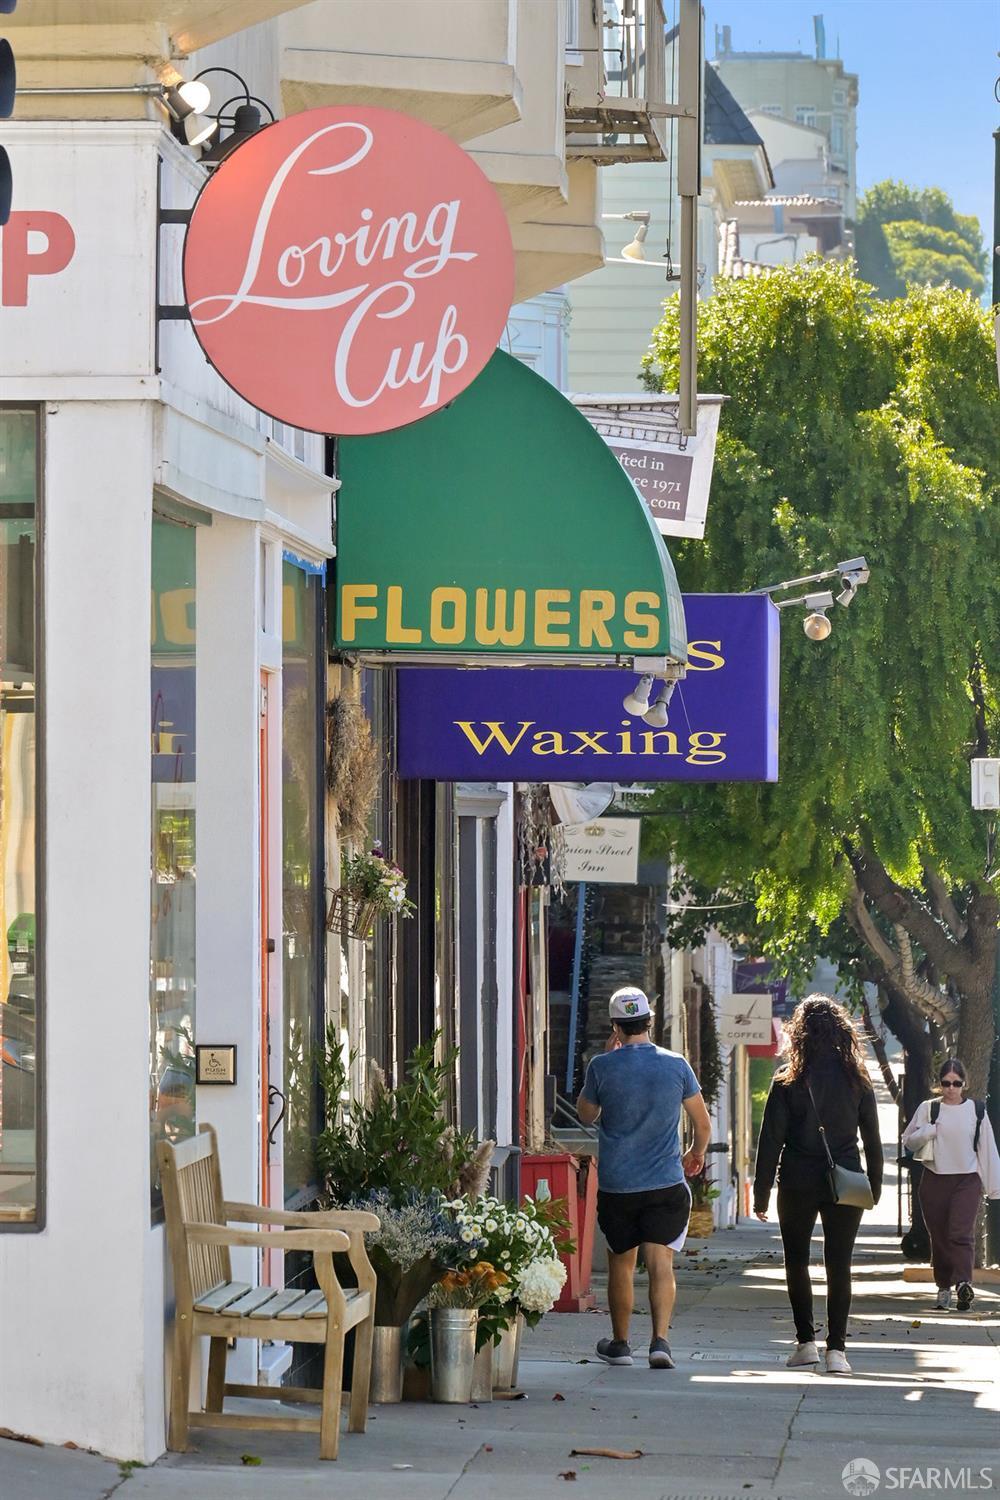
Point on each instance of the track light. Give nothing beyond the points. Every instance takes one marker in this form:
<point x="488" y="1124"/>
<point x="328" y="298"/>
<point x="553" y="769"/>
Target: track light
<point x="637" y="702"/>
<point x="656" y="715"/>
<point x="185" y="102"/>
<point x="634" y="249"/>
<point x="817" y="626"/>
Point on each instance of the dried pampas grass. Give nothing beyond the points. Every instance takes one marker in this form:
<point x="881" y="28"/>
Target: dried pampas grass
<point x="353" y="766"/>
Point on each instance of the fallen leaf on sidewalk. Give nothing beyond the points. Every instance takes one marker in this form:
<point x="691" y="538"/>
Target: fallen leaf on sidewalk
<point x="567" y="1474"/>
<point x="915" y="1323"/>
<point x="20" y="1437"/>
<point x="487" y="1447"/>
<point x="250" y="1460"/>
<point x="605" y="1453"/>
<point x="558" y="1397"/>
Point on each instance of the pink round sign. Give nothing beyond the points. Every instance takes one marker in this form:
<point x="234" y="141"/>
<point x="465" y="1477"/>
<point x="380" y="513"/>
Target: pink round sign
<point x="348" y="270"/>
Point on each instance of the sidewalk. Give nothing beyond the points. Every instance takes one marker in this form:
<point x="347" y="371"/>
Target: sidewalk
<point x="730" y="1421"/>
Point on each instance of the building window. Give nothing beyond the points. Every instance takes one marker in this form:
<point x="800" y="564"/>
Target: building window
<point x="303" y="945"/>
<point x="20" y="957"/>
<point x="772" y="109"/>
<point x="839" y="98"/>
<point x="173" y="780"/>
<point x="837" y="135"/>
<point x="805" y="114"/>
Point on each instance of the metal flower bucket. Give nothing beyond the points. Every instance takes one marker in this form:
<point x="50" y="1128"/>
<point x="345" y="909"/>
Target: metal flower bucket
<point x="350" y="914"/>
<point x="482" y="1373"/>
<point x="505" y="1356"/>
<point x="453" y="1352"/>
<point x="387" y="1364"/>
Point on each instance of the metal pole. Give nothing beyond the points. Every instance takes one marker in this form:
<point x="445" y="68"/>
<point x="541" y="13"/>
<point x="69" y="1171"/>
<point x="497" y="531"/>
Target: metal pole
<point x="996" y="217"/>
<point x="574" y="1003"/>
<point x="689" y="132"/>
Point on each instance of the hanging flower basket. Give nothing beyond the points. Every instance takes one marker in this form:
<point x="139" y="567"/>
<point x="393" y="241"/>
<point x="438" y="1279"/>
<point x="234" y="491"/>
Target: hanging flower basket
<point x="350" y="914"/>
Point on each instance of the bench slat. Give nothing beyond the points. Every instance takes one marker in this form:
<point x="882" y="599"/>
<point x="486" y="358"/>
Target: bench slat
<point x="257" y="1299"/>
<point x="313" y="1305"/>
<point x="281" y="1305"/>
<point x="221" y="1296"/>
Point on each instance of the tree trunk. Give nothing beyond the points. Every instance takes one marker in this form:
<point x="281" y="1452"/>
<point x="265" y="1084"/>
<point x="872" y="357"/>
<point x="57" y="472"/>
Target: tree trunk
<point x="976" y="1028"/>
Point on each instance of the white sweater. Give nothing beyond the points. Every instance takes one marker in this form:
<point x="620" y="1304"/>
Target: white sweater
<point x="946" y="1147"/>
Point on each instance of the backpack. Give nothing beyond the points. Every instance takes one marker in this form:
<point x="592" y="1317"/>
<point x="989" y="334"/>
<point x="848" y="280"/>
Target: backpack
<point x="980" y="1113"/>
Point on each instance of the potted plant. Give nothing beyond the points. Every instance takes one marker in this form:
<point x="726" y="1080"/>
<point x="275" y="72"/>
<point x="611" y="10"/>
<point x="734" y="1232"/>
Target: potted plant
<point x="522" y="1243"/>
<point x="371" y="886"/>
<point x="394" y="1149"/>
<point x="454" y="1304"/>
<point x="703" y="1195"/>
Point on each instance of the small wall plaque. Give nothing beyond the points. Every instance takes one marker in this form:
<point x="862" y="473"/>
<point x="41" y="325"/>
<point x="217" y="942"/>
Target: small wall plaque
<point x="215" y="1064"/>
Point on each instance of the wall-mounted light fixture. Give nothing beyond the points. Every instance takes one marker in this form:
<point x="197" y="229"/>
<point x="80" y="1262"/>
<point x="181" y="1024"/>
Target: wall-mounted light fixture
<point x="244" y="122"/>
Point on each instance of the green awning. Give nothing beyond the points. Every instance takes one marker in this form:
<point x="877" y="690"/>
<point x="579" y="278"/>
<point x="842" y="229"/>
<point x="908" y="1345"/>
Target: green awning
<point x="501" y="527"/>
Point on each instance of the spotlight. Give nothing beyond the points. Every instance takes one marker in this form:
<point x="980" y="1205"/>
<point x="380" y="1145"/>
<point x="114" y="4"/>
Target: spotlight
<point x="196" y="95"/>
<point x="816" y="626"/>
<point x="634" y="249"/>
<point x="656" y="715"/>
<point x="188" y="123"/>
<point x="198" y="128"/>
<point x="637" y="701"/>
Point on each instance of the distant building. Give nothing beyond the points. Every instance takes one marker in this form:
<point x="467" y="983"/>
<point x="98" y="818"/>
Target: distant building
<point x="816" y="94"/>
<point x="614" y="310"/>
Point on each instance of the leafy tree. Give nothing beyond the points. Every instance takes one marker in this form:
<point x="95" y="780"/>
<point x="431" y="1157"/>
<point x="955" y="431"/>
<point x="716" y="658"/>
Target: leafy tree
<point x="857" y="427"/>
<point x="913" y="237"/>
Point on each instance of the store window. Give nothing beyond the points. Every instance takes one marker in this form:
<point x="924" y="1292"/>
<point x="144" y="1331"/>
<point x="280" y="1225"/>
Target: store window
<point x="20" y="967"/>
<point x="303" y="944"/>
<point x="172" y="965"/>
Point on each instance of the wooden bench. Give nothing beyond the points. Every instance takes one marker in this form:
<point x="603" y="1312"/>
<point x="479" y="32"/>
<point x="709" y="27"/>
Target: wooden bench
<point x="209" y="1303"/>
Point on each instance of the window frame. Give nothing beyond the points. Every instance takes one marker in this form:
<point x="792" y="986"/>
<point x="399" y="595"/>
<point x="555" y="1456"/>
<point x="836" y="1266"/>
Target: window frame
<point x="38" y="1224"/>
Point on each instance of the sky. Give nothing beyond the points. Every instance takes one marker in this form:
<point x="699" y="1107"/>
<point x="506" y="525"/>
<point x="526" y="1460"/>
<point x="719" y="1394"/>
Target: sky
<point x="926" y="70"/>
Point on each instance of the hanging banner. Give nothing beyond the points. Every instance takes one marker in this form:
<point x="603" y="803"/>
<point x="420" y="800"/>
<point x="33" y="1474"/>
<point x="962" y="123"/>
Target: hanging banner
<point x="536" y="724"/>
<point x="603" y="852"/>
<point x="348" y="270"/>
<point x="673" y="475"/>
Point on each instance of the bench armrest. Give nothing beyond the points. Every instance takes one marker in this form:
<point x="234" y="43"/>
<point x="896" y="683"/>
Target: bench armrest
<point x="327" y="1218"/>
<point x="327" y="1241"/>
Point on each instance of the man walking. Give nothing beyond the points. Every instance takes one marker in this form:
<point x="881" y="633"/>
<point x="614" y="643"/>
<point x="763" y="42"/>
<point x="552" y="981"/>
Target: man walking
<point x="636" y="1090"/>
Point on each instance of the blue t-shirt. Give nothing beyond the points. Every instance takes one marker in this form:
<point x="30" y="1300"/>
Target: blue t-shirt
<point x="640" y="1089"/>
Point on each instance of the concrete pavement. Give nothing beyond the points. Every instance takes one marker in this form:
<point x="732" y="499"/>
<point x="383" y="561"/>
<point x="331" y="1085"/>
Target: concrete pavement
<point x="731" y="1421"/>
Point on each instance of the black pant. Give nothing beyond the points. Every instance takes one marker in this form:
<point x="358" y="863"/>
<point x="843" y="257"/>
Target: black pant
<point x="797" y="1211"/>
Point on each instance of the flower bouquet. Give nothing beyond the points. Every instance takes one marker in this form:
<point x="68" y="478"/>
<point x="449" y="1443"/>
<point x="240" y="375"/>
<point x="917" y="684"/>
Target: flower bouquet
<point x="371" y="886"/>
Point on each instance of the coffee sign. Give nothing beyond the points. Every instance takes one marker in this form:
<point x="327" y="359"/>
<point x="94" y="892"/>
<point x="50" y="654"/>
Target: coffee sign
<point x="348" y="270"/>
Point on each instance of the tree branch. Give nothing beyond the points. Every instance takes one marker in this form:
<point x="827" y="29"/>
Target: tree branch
<point x="943" y="904"/>
<point x="933" y="1002"/>
<point x="897" y="964"/>
<point x="899" y="907"/>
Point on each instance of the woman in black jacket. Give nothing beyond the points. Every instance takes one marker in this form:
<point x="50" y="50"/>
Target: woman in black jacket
<point x="824" y="1055"/>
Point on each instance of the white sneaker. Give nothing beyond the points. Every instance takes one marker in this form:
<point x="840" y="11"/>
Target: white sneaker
<point x="943" y="1298"/>
<point x="836" y="1362"/>
<point x="803" y="1354"/>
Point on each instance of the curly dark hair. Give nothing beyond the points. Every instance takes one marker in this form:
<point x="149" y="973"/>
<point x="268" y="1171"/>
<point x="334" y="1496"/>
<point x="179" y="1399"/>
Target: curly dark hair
<point x="821" y="1028"/>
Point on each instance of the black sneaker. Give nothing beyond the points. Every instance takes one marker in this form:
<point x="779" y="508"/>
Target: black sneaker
<point x="614" y="1351"/>
<point x="660" y="1357"/>
<point x="965" y="1295"/>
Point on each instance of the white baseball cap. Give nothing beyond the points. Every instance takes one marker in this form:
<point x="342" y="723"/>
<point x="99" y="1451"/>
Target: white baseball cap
<point x="628" y="1004"/>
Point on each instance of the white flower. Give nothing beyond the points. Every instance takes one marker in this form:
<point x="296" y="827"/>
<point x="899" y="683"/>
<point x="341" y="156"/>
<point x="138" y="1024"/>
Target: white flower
<point x="468" y="1236"/>
<point x="539" y="1284"/>
<point x="491" y="1226"/>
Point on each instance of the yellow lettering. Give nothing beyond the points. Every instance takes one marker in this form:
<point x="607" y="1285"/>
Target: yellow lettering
<point x="642" y="609"/>
<point x="453" y="634"/>
<point x="625" y="740"/>
<point x="717" y="661"/>
<point x="706" y="754"/>
<point x="589" y="741"/>
<point x="174" y="606"/>
<point x="555" y="740"/>
<point x="351" y="608"/>
<point x="499" y="633"/>
<point x="395" y="630"/>
<point x="596" y="606"/>
<point x="495" y="733"/>
<point x="652" y="735"/>
<point x="547" y="618"/>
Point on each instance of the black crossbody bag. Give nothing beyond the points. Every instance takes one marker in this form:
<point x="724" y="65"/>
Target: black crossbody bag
<point x="848" y="1188"/>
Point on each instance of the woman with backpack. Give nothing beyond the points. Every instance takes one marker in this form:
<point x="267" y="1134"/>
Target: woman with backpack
<point x="954" y="1140"/>
<point x="819" y="1101"/>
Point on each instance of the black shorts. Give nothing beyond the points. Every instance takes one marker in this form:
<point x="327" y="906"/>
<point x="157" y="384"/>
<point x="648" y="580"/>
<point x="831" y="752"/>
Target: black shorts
<point x="657" y="1217"/>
